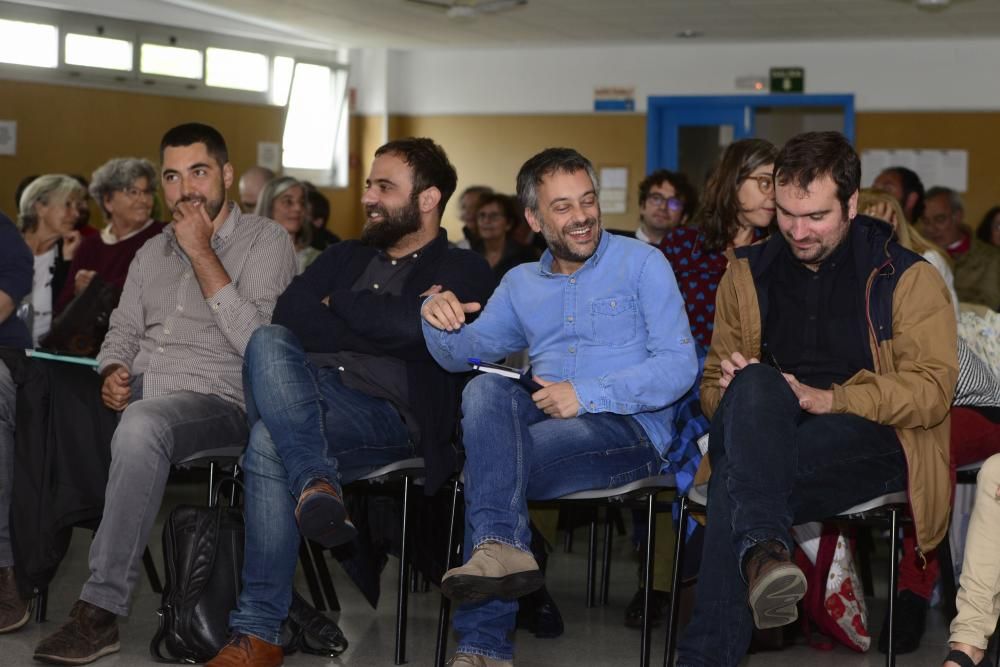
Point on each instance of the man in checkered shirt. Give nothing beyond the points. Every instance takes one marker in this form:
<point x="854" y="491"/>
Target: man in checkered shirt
<point x="171" y="364"/>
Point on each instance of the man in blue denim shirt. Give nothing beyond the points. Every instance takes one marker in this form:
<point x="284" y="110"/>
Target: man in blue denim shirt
<point x="609" y="343"/>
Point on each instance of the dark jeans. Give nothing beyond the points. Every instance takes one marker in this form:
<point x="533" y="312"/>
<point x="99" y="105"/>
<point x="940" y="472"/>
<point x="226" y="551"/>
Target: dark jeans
<point x="774" y="466"/>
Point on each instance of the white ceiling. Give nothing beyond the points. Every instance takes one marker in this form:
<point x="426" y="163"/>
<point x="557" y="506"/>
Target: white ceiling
<point x="405" y="25"/>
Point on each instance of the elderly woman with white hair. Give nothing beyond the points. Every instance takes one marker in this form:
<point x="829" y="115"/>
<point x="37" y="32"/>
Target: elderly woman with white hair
<point x="124" y="188"/>
<point x="48" y="211"/>
<point x="283" y="200"/>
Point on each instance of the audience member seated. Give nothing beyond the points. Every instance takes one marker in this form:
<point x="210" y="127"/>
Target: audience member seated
<point x="666" y="200"/>
<point x="468" y="204"/>
<point x="977" y="264"/>
<point x="979" y="586"/>
<point x="15" y="284"/>
<point x="737" y="208"/>
<point x="859" y="340"/>
<point x="252" y="182"/>
<point x="905" y="187"/>
<point x="284" y="201"/>
<point x="611" y="348"/>
<point x="83" y="222"/>
<point x="124" y="187"/>
<point x="171" y="365"/>
<point x="495" y="219"/>
<point x="989" y="227"/>
<point x="48" y="213"/>
<point x="342" y="383"/>
<point x="318" y="214"/>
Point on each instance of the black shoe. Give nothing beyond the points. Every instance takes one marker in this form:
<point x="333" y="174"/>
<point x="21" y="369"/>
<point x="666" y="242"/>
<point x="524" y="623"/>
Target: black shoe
<point x="320" y="635"/>
<point x="911" y="616"/>
<point x="538" y="614"/>
<point x="659" y="605"/>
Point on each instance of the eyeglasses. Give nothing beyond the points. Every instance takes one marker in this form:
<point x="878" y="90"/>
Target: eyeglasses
<point x="491" y="216"/>
<point x="765" y="183"/>
<point x="672" y="203"/>
<point x="135" y="193"/>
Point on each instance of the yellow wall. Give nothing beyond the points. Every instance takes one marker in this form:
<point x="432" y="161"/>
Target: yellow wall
<point x="74" y="130"/>
<point x="489" y="150"/>
<point x="977" y="133"/>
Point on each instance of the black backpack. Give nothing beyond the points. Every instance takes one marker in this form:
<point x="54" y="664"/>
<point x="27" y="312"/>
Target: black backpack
<point x="203" y="557"/>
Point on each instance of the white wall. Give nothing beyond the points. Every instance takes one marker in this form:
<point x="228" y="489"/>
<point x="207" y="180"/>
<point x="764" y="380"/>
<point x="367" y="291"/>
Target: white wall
<point x="908" y="75"/>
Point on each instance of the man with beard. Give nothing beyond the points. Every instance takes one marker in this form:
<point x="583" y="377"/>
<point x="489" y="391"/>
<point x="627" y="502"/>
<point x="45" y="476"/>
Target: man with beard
<point x="342" y="382"/>
<point x="858" y="339"/>
<point x="171" y="365"/>
<point x="608" y="338"/>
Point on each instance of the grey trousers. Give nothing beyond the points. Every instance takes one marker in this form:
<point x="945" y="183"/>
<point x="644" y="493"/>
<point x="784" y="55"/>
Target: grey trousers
<point x="8" y="395"/>
<point x="152" y="434"/>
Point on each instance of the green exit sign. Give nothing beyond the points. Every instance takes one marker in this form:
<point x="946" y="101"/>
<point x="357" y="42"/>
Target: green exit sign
<point x="788" y="79"/>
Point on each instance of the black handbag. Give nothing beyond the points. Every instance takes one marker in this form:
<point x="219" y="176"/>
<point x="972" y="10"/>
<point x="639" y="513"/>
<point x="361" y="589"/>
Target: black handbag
<point x="81" y="327"/>
<point x="203" y="557"/>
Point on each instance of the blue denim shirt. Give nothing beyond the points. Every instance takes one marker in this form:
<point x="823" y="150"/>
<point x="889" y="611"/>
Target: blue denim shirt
<point x="616" y="329"/>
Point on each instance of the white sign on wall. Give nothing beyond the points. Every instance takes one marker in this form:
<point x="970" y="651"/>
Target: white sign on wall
<point x="8" y="137"/>
<point x="949" y="168"/>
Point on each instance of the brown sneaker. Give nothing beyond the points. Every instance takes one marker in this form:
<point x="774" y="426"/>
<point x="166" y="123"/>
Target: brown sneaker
<point x="321" y="515"/>
<point x="247" y="651"/>
<point x="774" y="585"/>
<point x="90" y="633"/>
<point x="469" y="660"/>
<point x="14" y="611"/>
<point x="496" y="570"/>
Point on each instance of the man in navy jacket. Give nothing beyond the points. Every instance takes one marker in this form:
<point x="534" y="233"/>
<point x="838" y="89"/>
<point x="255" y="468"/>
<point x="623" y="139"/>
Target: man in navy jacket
<point x="342" y="383"/>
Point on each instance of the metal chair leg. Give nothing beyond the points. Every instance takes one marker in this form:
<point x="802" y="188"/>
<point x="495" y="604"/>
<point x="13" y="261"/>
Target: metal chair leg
<point x="606" y="557"/>
<point x="445" y="610"/>
<point x="211" y="483"/>
<point x="675" y="589"/>
<point x="402" y="596"/>
<point x="647" y="580"/>
<point x="325" y="580"/>
<point x="41" y="604"/>
<point x="154" y="576"/>
<point x="309" y="571"/>
<point x="591" y="563"/>
<point x="890" y="655"/>
<point x="948" y="588"/>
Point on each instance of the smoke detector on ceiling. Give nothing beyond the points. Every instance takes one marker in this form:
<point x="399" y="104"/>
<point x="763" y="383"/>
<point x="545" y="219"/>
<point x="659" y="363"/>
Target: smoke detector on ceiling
<point x="932" y="4"/>
<point x="470" y="9"/>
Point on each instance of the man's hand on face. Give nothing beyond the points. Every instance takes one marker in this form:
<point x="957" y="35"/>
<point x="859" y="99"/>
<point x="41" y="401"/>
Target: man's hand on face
<point x="731" y="366"/>
<point x="116" y="390"/>
<point x="812" y="400"/>
<point x="556" y="399"/>
<point x="193" y="228"/>
<point x="445" y="312"/>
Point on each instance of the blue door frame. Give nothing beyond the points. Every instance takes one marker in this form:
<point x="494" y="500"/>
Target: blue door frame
<point x="665" y="114"/>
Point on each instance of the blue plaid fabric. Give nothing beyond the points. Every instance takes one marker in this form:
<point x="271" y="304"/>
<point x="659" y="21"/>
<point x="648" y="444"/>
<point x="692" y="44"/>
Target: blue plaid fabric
<point x="684" y="456"/>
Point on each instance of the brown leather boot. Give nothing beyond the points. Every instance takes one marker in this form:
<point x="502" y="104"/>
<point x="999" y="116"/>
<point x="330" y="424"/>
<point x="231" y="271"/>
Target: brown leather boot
<point x="14" y="611"/>
<point x="90" y="633"/>
<point x="774" y="585"/>
<point x="321" y="515"/>
<point x="247" y="651"/>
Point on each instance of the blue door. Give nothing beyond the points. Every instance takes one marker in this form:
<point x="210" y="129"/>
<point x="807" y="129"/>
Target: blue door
<point x="689" y="133"/>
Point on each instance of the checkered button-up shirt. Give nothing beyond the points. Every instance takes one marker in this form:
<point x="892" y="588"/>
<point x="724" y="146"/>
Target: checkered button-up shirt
<point x="165" y="329"/>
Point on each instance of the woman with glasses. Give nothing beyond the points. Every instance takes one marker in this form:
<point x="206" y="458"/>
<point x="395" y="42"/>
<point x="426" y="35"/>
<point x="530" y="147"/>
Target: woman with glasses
<point x="284" y="200"/>
<point x="47" y="213"/>
<point x="124" y="188"/>
<point x="496" y="217"/>
<point x="737" y="208"/>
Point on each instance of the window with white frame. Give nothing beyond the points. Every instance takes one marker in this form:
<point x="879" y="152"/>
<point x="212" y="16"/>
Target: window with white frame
<point x="240" y="70"/>
<point x="102" y="52"/>
<point x="24" y="43"/>
<point x="170" y="61"/>
<point x="314" y="144"/>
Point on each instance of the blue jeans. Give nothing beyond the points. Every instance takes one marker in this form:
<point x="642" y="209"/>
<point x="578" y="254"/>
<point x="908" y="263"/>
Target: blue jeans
<point x="306" y="425"/>
<point x="515" y="452"/>
<point x="774" y="466"/>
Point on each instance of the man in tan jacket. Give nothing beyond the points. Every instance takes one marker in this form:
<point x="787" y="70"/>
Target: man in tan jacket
<point x="832" y="368"/>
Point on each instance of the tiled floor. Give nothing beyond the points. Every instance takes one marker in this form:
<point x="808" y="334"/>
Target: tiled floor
<point x="593" y="636"/>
